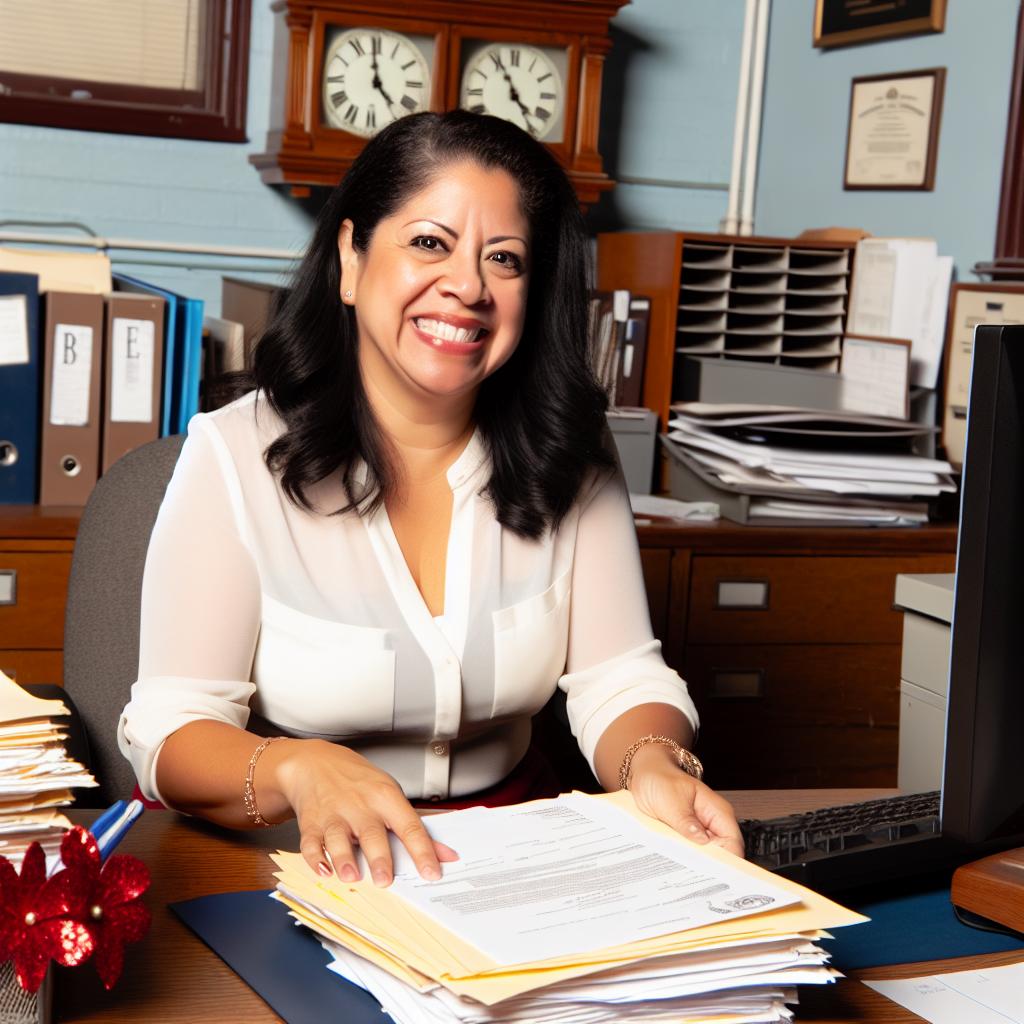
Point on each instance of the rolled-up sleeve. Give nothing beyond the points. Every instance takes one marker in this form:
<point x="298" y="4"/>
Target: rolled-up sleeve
<point x="200" y="608"/>
<point x="614" y="662"/>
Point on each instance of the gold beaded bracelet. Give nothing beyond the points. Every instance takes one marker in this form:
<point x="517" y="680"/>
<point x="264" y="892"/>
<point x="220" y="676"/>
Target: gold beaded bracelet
<point x="686" y="760"/>
<point x="249" y="792"/>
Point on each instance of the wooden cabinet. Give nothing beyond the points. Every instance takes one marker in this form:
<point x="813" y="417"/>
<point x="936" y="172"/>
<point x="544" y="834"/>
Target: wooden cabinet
<point x="35" y="560"/>
<point x="790" y="645"/>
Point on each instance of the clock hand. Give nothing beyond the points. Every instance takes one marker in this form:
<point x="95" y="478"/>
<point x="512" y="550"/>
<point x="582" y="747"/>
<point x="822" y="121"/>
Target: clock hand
<point x="514" y="95"/>
<point x="377" y="83"/>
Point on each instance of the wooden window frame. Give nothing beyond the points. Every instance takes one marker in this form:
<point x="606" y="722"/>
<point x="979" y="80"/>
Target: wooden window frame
<point x="215" y="113"/>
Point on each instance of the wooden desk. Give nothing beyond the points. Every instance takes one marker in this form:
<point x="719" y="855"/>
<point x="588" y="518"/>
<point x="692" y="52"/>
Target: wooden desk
<point x="172" y="978"/>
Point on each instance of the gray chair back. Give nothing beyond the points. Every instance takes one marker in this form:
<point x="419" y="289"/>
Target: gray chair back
<point x="101" y="624"/>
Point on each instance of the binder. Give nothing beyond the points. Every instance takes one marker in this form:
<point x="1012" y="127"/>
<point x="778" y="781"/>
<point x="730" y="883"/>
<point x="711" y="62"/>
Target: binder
<point x="72" y="343"/>
<point x="253" y="304"/>
<point x="133" y="358"/>
<point x="629" y="389"/>
<point x="183" y="353"/>
<point x="19" y="387"/>
<point x="133" y="285"/>
<point x="190" y="314"/>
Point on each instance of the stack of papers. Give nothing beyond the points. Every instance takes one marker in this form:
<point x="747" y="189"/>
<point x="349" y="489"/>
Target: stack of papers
<point x="578" y="909"/>
<point x="36" y="774"/>
<point x="810" y="464"/>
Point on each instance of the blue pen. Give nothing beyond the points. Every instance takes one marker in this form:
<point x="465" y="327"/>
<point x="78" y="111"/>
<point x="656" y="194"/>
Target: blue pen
<point x="103" y="822"/>
<point x="115" y="832"/>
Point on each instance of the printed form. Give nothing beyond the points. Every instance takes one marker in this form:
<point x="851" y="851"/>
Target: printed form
<point x="561" y="877"/>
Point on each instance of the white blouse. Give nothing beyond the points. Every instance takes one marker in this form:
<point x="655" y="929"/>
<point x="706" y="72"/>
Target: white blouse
<point x="314" y="622"/>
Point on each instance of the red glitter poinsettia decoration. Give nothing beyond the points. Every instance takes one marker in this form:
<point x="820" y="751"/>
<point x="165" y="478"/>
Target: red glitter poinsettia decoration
<point x="36" y="920"/>
<point x="105" y="899"/>
<point x="86" y="909"/>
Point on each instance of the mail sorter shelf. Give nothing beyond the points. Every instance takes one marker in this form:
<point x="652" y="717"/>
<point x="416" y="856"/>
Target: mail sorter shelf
<point x="770" y="300"/>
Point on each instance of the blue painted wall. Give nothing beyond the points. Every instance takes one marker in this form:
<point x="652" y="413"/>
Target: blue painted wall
<point x="670" y="94"/>
<point x="668" y="108"/>
<point x="807" y="95"/>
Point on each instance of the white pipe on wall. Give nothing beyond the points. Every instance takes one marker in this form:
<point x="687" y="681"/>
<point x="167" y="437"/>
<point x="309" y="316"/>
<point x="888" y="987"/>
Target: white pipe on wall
<point x="754" y="123"/>
<point x="730" y="223"/>
<point x="199" y="248"/>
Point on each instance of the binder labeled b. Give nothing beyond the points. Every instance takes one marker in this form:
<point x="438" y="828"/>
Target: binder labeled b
<point x="73" y="362"/>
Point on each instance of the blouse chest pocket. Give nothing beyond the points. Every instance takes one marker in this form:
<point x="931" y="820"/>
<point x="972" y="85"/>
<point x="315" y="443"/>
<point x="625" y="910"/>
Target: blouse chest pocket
<point x="531" y="639"/>
<point x="323" y="677"/>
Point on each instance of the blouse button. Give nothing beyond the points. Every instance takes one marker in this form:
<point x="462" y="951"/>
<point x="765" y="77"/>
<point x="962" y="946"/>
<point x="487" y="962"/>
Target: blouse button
<point x="440" y="749"/>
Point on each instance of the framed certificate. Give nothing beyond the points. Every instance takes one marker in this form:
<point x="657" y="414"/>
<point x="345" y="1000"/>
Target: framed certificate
<point x="893" y="135"/>
<point x="970" y="305"/>
<point x="840" y="22"/>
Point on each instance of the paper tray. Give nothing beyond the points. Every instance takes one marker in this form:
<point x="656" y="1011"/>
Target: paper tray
<point x="690" y="481"/>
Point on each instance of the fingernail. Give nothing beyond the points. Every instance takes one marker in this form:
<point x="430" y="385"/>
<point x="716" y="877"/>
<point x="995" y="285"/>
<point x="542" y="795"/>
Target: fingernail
<point x="430" y="873"/>
<point x="324" y="869"/>
<point x="348" y="873"/>
<point x="697" y="833"/>
<point x="380" y="877"/>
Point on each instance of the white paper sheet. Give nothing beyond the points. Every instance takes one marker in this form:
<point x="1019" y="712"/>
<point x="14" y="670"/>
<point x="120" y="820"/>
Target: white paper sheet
<point x="518" y="894"/>
<point x="13" y="330"/>
<point x="993" y="995"/>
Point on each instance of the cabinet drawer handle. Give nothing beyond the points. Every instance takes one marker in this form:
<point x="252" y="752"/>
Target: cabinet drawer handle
<point x="8" y="586"/>
<point x="742" y="595"/>
<point x="736" y="684"/>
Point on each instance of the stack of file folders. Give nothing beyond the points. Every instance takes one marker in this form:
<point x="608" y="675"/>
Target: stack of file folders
<point x="765" y="464"/>
<point x="36" y="774"/>
<point x="577" y="909"/>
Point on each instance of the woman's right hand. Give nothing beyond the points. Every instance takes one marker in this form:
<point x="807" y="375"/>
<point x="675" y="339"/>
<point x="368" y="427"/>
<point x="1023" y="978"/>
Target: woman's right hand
<point x="342" y="801"/>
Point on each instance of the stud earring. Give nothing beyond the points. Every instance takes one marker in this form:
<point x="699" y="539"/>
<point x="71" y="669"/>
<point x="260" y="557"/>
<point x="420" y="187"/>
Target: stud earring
<point x="348" y="294"/>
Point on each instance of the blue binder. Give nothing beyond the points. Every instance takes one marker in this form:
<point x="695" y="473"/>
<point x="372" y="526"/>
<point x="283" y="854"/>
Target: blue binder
<point x="20" y="399"/>
<point x="183" y="353"/>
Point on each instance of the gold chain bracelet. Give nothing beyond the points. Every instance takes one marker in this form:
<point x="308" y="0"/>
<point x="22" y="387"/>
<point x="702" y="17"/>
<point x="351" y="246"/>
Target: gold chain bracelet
<point x="686" y="760"/>
<point x="249" y="792"/>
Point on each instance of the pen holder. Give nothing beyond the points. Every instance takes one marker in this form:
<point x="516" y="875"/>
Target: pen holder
<point x="20" y="1007"/>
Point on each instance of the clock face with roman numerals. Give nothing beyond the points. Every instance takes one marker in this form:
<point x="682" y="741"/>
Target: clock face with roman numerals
<point x="373" y="76"/>
<point x="514" y="81"/>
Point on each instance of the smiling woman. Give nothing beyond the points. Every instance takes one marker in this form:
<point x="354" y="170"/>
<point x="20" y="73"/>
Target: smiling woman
<point x="391" y="550"/>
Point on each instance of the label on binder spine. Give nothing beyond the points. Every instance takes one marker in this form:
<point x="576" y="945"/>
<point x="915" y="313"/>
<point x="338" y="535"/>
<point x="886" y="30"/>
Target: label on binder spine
<point x="72" y="375"/>
<point x="131" y="382"/>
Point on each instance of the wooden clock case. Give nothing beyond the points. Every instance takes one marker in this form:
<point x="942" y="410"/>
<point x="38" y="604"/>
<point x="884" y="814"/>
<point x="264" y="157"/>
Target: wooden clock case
<point x="303" y="150"/>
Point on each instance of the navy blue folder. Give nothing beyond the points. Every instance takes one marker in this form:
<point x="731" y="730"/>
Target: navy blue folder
<point x="20" y="401"/>
<point x="282" y="962"/>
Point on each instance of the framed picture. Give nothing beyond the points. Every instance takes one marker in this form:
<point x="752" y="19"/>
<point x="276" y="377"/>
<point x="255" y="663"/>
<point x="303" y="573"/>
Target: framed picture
<point x="970" y="305"/>
<point x="892" y="139"/>
<point x="841" y="22"/>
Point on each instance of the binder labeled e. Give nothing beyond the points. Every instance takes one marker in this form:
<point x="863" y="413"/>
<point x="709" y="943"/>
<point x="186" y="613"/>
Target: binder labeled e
<point x="134" y="358"/>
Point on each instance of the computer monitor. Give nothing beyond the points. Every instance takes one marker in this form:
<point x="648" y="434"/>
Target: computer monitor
<point x="983" y="776"/>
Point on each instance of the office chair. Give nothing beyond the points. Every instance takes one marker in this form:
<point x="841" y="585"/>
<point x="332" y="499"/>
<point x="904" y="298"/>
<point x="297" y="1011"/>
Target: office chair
<point x="101" y="623"/>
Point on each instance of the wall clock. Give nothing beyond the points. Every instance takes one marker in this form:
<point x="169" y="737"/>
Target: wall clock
<point x="343" y="69"/>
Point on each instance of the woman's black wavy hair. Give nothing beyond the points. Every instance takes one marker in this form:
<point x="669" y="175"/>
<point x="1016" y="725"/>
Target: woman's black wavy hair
<point x="541" y="414"/>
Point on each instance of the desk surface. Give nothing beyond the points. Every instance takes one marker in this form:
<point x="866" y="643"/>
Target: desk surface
<point x="172" y="977"/>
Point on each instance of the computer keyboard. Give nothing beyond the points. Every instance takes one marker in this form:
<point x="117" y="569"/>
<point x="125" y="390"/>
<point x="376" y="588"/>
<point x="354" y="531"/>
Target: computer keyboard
<point x="797" y="841"/>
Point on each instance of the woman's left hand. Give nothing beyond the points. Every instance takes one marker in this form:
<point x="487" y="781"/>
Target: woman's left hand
<point x="663" y="791"/>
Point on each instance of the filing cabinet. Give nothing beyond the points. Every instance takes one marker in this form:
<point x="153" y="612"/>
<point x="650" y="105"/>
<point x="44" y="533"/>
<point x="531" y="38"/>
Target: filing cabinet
<point x="35" y="561"/>
<point x="790" y="644"/>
